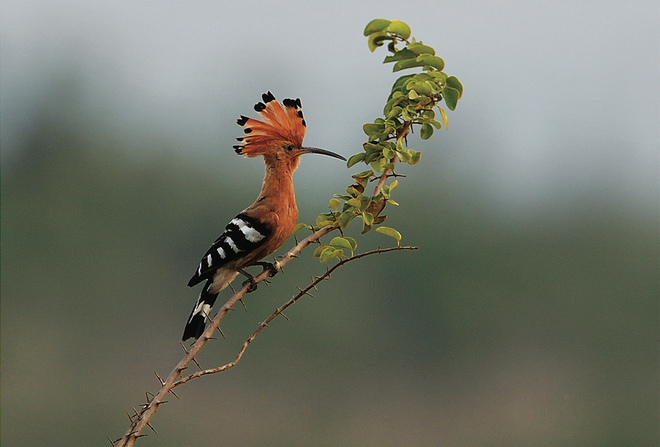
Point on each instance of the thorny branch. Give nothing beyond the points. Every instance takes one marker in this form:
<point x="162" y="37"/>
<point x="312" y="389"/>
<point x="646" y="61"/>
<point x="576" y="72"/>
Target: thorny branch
<point x="140" y="419"/>
<point x="278" y="311"/>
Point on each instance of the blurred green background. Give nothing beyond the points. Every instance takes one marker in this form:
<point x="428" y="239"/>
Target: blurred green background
<point x="528" y="317"/>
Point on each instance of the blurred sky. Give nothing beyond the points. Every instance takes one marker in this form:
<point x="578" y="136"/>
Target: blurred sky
<point x="560" y="96"/>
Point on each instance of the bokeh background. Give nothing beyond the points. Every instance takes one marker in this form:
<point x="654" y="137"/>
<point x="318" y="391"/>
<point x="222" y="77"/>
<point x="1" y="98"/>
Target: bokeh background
<point x="528" y="316"/>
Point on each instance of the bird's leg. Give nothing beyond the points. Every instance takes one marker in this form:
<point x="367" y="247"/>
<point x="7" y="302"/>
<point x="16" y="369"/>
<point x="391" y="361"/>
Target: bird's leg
<point x="272" y="270"/>
<point x="250" y="280"/>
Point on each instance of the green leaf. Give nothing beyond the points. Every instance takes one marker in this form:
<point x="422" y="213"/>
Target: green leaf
<point x="391" y="232"/>
<point x="372" y="129"/>
<point x="377" y="39"/>
<point x="433" y="61"/>
<point x="363" y="174"/>
<point x="426" y="132"/>
<point x="352" y="191"/>
<point x="421" y="87"/>
<point x="365" y="201"/>
<point x="451" y="97"/>
<point x="399" y="144"/>
<point x="394" y="112"/>
<point x="340" y="242"/>
<point x="355" y="159"/>
<point x="404" y="156"/>
<point x="299" y="227"/>
<point x="385" y="191"/>
<point x="365" y="227"/>
<point x="394" y="185"/>
<point x="435" y="124"/>
<point x="439" y="76"/>
<point x="414" y="157"/>
<point x="372" y="156"/>
<point x="324" y="219"/>
<point x="368" y="218"/>
<point x="430" y="114"/>
<point x="346" y="217"/>
<point x="396" y="99"/>
<point x="330" y="253"/>
<point x="399" y="28"/>
<point x="376" y="25"/>
<point x="319" y="250"/>
<point x="453" y="82"/>
<point x="420" y="48"/>
<point x="352" y="242"/>
<point x="443" y="114"/>
<point x="407" y="63"/>
<point x="401" y="81"/>
<point x="400" y="55"/>
<point x="334" y="204"/>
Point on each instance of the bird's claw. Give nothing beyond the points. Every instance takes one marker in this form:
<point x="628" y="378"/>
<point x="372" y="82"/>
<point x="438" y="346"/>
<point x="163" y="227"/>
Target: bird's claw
<point x="272" y="270"/>
<point x="252" y="285"/>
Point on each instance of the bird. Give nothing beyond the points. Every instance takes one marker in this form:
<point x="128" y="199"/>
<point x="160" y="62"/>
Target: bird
<point x="261" y="228"/>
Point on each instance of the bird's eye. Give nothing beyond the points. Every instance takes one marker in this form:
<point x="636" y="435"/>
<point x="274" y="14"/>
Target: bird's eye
<point x="288" y="147"/>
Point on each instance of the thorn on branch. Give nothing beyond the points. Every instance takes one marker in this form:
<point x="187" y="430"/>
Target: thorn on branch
<point x="152" y="428"/>
<point x="305" y="292"/>
<point x="197" y="363"/>
<point x="244" y="307"/>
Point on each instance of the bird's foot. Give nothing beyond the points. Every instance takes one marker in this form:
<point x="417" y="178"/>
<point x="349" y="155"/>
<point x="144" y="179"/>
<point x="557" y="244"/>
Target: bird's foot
<point x="272" y="270"/>
<point x="250" y="280"/>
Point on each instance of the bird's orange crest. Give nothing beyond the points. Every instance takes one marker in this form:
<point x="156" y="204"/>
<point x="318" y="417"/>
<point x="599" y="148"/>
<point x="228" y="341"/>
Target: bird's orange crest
<point x="282" y="123"/>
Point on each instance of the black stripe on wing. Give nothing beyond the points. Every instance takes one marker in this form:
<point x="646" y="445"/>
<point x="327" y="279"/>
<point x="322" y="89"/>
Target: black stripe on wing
<point x="242" y="235"/>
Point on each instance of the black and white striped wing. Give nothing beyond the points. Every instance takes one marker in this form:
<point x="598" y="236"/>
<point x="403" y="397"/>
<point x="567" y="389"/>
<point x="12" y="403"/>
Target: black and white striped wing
<point x="241" y="236"/>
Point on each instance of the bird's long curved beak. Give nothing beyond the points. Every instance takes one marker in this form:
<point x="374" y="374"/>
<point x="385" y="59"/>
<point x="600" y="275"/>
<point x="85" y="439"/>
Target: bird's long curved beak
<point x="316" y="150"/>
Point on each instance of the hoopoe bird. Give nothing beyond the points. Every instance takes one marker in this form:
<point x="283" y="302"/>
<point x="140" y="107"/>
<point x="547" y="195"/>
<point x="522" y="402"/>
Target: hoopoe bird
<point x="261" y="228"/>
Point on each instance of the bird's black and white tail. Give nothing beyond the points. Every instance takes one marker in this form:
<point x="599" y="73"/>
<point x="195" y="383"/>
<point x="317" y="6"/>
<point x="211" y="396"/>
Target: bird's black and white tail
<point x="200" y="313"/>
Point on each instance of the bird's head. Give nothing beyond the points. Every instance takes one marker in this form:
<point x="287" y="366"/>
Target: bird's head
<point x="279" y="137"/>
